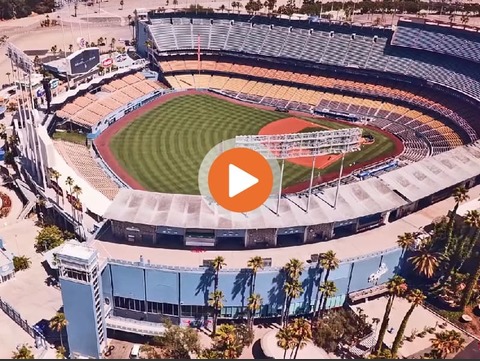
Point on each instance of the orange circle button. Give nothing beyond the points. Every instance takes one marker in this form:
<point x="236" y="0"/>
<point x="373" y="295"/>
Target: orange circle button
<point x="240" y="180"/>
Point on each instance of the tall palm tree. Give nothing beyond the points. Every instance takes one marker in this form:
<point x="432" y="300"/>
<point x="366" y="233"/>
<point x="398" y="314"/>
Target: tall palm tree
<point x="472" y="220"/>
<point x="217" y="264"/>
<point x="303" y="332"/>
<point x="460" y="195"/>
<point x="396" y="288"/>
<point x="77" y="192"/>
<point x="69" y="182"/>
<point x="23" y="352"/>
<point x="328" y="289"/>
<point x="286" y="339"/>
<point x="425" y="261"/>
<point x="8" y="75"/>
<point x="471" y="284"/>
<point x="328" y="261"/>
<point x="255" y="264"/>
<point x="215" y="300"/>
<point x="254" y="305"/>
<point x="406" y="241"/>
<point x="416" y="298"/>
<point x="447" y="342"/>
<point x="55" y="174"/>
<point x="293" y="289"/>
<point x="58" y="323"/>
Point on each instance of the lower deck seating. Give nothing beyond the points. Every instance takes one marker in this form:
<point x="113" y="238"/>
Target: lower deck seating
<point x="79" y="158"/>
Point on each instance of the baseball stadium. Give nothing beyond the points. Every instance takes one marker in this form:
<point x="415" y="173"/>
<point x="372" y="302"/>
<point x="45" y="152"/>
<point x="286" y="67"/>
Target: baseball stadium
<point x="133" y="142"/>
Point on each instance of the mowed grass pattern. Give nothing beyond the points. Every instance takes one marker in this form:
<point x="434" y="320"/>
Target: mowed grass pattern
<point x="163" y="149"/>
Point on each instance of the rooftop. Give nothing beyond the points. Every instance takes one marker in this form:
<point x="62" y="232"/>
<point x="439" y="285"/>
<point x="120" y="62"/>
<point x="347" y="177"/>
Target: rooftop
<point x="374" y="195"/>
<point x="75" y="250"/>
<point x="358" y="245"/>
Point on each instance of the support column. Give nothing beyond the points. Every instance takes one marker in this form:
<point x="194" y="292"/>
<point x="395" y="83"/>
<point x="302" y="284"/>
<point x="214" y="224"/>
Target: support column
<point x="311" y="183"/>
<point x="280" y="185"/>
<point x="339" y="181"/>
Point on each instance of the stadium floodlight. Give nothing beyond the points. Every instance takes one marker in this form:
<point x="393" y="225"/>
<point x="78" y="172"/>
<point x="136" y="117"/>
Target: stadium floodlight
<point x="299" y="145"/>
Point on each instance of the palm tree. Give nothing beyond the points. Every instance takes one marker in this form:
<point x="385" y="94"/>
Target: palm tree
<point x="54" y="50"/>
<point x="58" y="323"/>
<point x="217" y="265"/>
<point x="75" y="7"/>
<point x="69" y="182"/>
<point x="8" y="75"/>
<point x="23" y="352"/>
<point x="425" y="261"/>
<point x="175" y="3"/>
<point x="61" y="352"/>
<point x="112" y="43"/>
<point x="406" y="241"/>
<point x="70" y="48"/>
<point x="416" y="298"/>
<point x="293" y="289"/>
<point x="121" y="4"/>
<point x="215" y="300"/>
<point x="328" y="261"/>
<point x="396" y="288"/>
<point x="447" y="342"/>
<point x="285" y="339"/>
<point x="303" y="333"/>
<point x="227" y="338"/>
<point x="471" y="285"/>
<point x="255" y="264"/>
<point x="460" y="194"/>
<point x="77" y="191"/>
<point x="222" y="8"/>
<point x="55" y="174"/>
<point x="254" y="304"/>
<point x="328" y="289"/>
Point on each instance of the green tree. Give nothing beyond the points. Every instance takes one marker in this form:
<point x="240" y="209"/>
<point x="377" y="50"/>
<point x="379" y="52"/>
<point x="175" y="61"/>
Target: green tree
<point x="55" y="174"/>
<point x="254" y="264"/>
<point x="48" y="238"/>
<point x="460" y="195"/>
<point x="60" y="352"/>
<point x="227" y="342"/>
<point x="416" y="298"/>
<point x="178" y="342"/>
<point x="328" y="289"/>
<point x="328" y="262"/>
<point x="254" y="305"/>
<point x="302" y="331"/>
<point x="425" y="261"/>
<point x="396" y="288"/>
<point x="215" y="300"/>
<point x="293" y="289"/>
<point x="447" y="342"/>
<point x="21" y="263"/>
<point x="23" y="352"/>
<point x="406" y="241"/>
<point x="285" y="339"/>
<point x="58" y="323"/>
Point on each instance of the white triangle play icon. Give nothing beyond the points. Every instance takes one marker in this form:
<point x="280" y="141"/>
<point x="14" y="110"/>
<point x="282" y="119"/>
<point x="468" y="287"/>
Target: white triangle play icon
<point x="239" y="180"/>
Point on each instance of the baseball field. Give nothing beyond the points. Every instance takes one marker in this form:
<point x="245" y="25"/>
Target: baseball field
<point x="160" y="146"/>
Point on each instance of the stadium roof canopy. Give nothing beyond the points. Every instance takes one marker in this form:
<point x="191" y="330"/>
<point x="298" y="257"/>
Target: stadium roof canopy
<point x="374" y="195"/>
<point x="431" y="175"/>
<point x="191" y="211"/>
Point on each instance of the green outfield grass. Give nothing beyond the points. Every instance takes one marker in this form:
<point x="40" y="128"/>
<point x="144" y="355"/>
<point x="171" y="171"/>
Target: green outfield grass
<point x="163" y="149"/>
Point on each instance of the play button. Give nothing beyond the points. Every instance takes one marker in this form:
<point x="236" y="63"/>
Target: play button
<point x="239" y="180"/>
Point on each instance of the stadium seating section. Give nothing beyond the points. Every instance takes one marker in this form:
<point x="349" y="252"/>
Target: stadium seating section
<point x="347" y="48"/>
<point x="438" y="39"/>
<point x="421" y="134"/>
<point x="89" y="109"/>
<point x="79" y="158"/>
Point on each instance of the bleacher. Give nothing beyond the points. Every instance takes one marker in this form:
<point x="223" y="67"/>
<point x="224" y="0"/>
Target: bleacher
<point x="421" y="134"/>
<point x="361" y="106"/>
<point x="338" y="47"/>
<point x="79" y="158"/>
<point x="86" y="111"/>
<point x="437" y="39"/>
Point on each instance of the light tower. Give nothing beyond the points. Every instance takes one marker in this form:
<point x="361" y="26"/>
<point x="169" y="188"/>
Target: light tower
<point x="80" y="280"/>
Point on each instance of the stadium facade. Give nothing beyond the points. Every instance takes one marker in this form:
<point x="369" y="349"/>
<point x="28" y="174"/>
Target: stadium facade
<point x="127" y="278"/>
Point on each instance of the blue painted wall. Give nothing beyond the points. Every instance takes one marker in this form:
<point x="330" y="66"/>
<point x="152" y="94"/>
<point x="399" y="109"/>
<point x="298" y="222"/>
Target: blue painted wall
<point x="162" y="286"/>
<point x="128" y="282"/>
<point x="192" y="287"/>
<point x="80" y="312"/>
